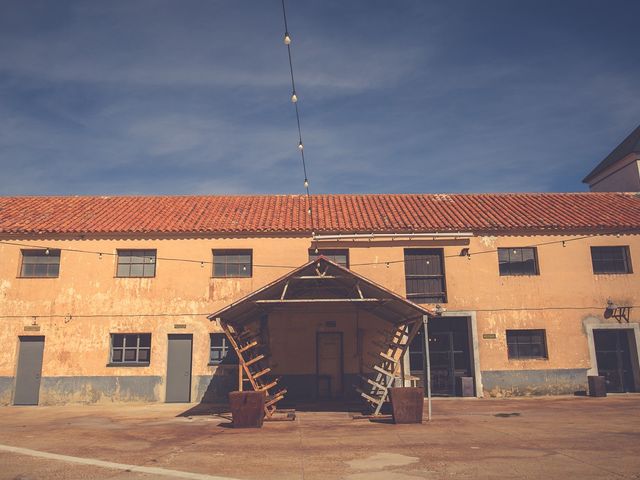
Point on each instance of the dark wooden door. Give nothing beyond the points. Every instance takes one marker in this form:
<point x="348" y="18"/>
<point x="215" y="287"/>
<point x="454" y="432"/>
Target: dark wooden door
<point x="179" y="368"/>
<point x="329" y="364"/>
<point x="29" y="371"/>
<point x="614" y="358"/>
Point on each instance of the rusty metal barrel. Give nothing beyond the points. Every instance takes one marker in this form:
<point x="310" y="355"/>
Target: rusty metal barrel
<point x="407" y="404"/>
<point x="247" y="409"/>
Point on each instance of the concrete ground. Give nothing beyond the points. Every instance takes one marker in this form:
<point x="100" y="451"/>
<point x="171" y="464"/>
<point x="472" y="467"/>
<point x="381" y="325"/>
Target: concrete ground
<point x="548" y="437"/>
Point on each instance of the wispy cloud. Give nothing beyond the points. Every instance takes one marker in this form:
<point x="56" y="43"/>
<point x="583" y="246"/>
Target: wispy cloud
<point x="192" y="97"/>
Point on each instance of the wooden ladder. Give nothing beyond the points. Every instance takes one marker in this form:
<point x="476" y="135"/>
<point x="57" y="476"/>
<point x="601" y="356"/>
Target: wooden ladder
<point x="387" y="364"/>
<point x="253" y="368"/>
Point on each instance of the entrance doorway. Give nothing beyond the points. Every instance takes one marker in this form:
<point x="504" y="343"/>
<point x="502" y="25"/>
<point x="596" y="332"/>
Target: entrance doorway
<point x="449" y="354"/>
<point x="29" y="371"/>
<point x="613" y="356"/>
<point x="330" y="365"/>
<point x="179" y="368"/>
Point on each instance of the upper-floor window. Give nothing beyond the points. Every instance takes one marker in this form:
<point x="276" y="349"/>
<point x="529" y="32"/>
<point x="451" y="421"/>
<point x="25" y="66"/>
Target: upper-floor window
<point x="132" y="348"/>
<point x="518" y="261"/>
<point x="232" y="263"/>
<point x="220" y="350"/>
<point x="526" y="344"/>
<point x="341" y="257"/>
<point x="611" y="259"/>
<point x="136" y="263"/>
<point x="40" y="263"/>
<point x="424" y="271"/>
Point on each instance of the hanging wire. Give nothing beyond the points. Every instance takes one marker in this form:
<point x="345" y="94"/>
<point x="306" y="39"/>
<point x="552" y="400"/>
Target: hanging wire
<point x="295" y="101"/>
<point x="382" y="262"/>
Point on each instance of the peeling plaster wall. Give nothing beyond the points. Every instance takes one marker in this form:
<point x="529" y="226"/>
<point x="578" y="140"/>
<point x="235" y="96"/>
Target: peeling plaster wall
<point x="79" y="347"/>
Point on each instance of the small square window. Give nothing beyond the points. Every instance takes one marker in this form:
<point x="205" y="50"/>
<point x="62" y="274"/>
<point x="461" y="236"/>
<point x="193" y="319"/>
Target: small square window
<point x="40" y="263"/>
<point x="221" y="351"/>
<point x="131" y="348"/>
<point x="136" y="263"/>
<point x="232" y="263"/>
<point x="611" y="259"/>
<point x="518" y="261"/>
<point x="526" y="344"/>
<point x="341" y="257"/>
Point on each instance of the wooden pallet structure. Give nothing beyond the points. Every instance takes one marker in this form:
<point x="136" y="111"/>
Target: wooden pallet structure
<point x="253" y="369"/>
<point x="386" y="365"/>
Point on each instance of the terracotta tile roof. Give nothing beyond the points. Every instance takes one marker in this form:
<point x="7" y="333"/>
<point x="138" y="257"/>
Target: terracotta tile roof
<point x="333" y="213"/>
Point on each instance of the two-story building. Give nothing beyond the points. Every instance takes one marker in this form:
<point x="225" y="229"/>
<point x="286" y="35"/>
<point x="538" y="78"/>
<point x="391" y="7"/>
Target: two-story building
<point x="107" y="298"/>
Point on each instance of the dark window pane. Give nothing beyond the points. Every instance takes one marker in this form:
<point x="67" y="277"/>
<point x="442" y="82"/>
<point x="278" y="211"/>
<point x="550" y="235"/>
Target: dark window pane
<point x="54" y="270"/>
<point x="522" y="344"/>
<point x="40" y="270"/>
<point x="517" y="261"/>
<point x="149" y="270"/>
<point x="40" y="263"/>
<point x="136" y="263"/>
<point x="130" y="348"/>
<point x="416" y="361"/>
<point x="143" y="355"/>
<point x="611" y="259"/>
<point x="424" y="270"/>
<point x="232" y="263"/>
<point x="123" y="270"/>
<point x="136" y="270"/>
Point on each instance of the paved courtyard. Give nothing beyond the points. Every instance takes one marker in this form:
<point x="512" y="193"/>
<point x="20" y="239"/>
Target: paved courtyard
<point x="551" y="437"/>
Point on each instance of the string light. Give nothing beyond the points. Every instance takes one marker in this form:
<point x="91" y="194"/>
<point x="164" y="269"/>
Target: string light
<point x="291" y="267"/>
<point x="294" y="100"/>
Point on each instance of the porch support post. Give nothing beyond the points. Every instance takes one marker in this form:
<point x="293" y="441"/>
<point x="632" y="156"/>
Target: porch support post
<point x="425" y="321"/>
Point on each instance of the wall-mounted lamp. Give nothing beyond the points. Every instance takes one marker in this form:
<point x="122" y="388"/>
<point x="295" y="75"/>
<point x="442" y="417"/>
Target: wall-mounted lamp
<point x="439" y="310"/>
<point x="619" y="313"/>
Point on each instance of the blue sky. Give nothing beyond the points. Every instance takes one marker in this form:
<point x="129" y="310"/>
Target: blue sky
<point x="192" y="96"/>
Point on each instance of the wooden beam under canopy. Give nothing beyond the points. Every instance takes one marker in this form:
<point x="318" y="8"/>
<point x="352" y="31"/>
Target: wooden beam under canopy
<point x="322" y="300"/>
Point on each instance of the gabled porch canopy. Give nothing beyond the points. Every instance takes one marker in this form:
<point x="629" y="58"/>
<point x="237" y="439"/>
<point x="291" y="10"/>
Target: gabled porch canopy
<point x="322" y="282"/>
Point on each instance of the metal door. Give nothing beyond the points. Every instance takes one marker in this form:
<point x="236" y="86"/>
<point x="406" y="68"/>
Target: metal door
<point x="179" y="368"/>
<point x="329" y="364"/>
<point x="29" y="371"/>
<point x="614" y="359"/>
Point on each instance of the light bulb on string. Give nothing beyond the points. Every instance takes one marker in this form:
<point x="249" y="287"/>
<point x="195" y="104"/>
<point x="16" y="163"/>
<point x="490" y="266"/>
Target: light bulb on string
<point x="300" y="145"/>
<point x="309" y="211"/>
<point x="294" y="97"/>
<point x="287" y="38"/>
<point x="306" y="183"/>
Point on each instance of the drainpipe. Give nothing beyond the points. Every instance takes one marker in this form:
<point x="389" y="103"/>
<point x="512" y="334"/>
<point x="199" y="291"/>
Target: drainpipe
<point x="372" y="236"/>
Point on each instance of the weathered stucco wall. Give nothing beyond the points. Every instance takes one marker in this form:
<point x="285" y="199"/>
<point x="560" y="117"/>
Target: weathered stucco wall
<point x="77" y="347"/>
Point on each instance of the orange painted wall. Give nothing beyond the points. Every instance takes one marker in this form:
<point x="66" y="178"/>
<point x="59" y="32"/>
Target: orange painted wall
<point x="87" y="285"/>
